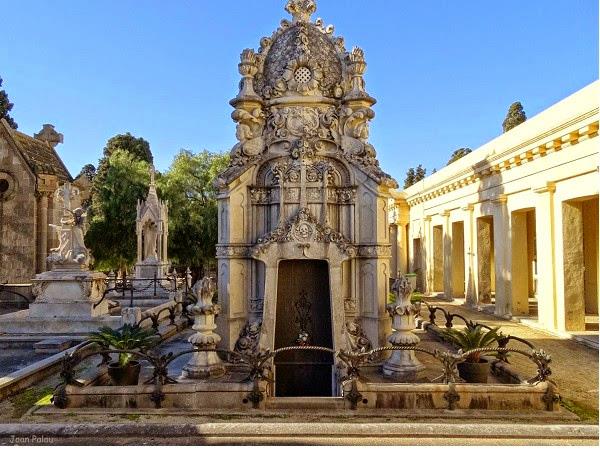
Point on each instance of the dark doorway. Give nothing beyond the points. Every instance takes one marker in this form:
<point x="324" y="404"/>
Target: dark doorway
<point x="303" y="314"/>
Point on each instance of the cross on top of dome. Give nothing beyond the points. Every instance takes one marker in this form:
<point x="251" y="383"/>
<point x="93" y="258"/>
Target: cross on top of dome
<point x="301" y="10"/>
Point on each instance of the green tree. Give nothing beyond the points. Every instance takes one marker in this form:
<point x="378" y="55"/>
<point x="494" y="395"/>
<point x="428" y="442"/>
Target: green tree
<point x="138" y="147"/>
<point x="457" y="154"/>
<point x="111" y="236"/>
<point x="89" y="170"/>
<point x="420" y="173"/>
<point x="410" y="178"/>
<point x="414" y="175"/>
<point x="514" y="117"/>
<point x="5" y="107"/>
<point x="188" y="187"/>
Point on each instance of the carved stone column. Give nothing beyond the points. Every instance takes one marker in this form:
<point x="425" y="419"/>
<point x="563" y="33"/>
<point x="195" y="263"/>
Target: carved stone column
<point x="43" y="227"/>
<point x="403" y="364"/>
<point x="204" y="364"/>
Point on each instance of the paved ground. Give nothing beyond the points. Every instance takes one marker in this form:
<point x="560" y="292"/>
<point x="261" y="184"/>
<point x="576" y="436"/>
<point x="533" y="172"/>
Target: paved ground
<point x="574" y="365"/>
<point x="15" y="359"/>
<point x="575" y="369"/>
<point x="302" y="433"/>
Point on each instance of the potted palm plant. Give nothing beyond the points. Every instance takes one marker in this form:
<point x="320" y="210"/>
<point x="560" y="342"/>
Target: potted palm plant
<point x="126" y="371"/>
<point x="473" y="369"/>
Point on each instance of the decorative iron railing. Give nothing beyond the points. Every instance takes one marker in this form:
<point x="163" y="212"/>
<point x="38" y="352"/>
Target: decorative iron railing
<point x="130" y="285"/>
<point x="449" y="317"/>
<point x="259" y="368"/>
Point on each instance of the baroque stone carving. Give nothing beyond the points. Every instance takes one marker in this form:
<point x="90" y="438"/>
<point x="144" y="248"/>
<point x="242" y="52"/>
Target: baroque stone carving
<point x="260" y="195"/>
<point x="356" y="339"/>
<point x="350" y="305"/>
<point x="302" y="228"/>
<point x="232" y="251"/>
<point x="249" y="134"/>
<point x="303" y="59"/>
<point x="247" y="342"/>
<point x="374" y="250"/>
<point x="301" y="45"/>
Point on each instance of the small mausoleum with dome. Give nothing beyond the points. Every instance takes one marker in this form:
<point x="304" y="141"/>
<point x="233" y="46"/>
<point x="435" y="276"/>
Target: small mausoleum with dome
<point x="304" y="244"/>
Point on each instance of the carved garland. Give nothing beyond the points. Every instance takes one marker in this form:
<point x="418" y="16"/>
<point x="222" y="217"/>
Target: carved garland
<point x="304" y="228"/>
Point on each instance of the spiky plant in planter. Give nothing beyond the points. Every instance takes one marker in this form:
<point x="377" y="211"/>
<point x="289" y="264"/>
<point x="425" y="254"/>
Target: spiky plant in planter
<point x="473" y="369"/>
<point x="129" y="337"/>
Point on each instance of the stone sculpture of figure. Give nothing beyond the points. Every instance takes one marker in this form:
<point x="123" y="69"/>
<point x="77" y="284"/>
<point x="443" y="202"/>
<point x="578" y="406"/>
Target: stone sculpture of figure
<point x="204" y="290"/>
<point x="356" y="340"/>
<point x="71" y="246"/>
<point x="247" y="343"/>
<point x="150" y="237"/>
<point x="79" y="250"/>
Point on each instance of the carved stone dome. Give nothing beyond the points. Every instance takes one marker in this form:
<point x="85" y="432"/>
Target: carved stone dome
<point x="305" y="56"/>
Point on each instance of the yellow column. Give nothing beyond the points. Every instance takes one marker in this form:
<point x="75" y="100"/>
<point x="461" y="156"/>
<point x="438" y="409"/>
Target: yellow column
<point x="545" y="243"/>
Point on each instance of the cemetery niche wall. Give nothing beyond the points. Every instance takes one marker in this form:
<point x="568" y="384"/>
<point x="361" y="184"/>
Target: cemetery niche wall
<point x="303" y="223"/>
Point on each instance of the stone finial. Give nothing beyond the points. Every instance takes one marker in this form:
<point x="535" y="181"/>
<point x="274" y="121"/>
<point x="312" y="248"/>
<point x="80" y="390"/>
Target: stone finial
<point x="248" y="67"/>
<point x="301" y="10"/>
<point x="402" y="364"/>
<point x="50" y="135"/>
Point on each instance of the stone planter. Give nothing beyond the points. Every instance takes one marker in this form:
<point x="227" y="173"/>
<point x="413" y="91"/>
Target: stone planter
<point x="474" y="372"/>
<point x="124" y="376"/>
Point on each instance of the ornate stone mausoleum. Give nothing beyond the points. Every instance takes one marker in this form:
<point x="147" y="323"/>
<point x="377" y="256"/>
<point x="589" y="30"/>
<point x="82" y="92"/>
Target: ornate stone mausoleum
<point x="303" y="221"/>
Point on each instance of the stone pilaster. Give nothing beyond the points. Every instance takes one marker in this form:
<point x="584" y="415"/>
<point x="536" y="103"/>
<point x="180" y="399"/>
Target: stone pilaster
<point x="545" y="243"/>
<point x="502" y="257"/>
<point x="447" y="252"/>
<point x="470" y="263"/>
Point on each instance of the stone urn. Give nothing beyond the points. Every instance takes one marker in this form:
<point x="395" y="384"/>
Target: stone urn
<point x="205" y="363"/>
<point x="402" y="365"/>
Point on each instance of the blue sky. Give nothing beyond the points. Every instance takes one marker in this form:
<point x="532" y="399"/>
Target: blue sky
<point x="443" y="72"/>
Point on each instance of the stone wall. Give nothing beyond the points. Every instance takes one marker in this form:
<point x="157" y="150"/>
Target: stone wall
<point x="17" y="217"/>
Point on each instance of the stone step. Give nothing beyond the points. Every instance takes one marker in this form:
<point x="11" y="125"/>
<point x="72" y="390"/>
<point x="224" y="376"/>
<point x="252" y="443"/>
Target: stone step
<point x="53" y="345"/>
<point x="320" y="403"/>
<point x="323" y="433"/>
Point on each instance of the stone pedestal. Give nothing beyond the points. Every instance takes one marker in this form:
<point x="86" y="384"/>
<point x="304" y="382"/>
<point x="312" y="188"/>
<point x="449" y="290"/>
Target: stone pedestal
<point x="68" y="292"/>
<point x="204" y="364"/>
<point x="402" y="365"/>
<point x="151" y="268"/>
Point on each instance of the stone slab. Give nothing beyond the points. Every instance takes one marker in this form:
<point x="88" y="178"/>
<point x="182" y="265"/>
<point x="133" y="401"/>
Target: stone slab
<point x="52" y="345"/>
<point x="253" y="432"/>
<point x="20" y="322"/>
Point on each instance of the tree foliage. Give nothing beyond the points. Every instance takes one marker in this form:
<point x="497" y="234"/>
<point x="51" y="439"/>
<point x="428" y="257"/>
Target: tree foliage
<point x="514" y="117"/>
<point x="5" y="107"/>
<point x="89" y="171"/>
<point x="115" y="192"/>
<point x="457" y="154"/>
<point x="188" y="187"/>
<point x="414" y="175"/>
<point x="138" y="147"/>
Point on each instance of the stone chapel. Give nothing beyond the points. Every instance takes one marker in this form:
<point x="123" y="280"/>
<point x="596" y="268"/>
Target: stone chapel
<point x="30" y="172"/>
<point x="304" y="242"/>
